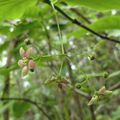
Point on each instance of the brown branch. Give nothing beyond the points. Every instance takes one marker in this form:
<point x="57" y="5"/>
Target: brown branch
<point x="92" y="112"/>
<point x="75" y="21"/>
<point x="115" y="86"/>
<point x="77" y="91"/>
<point x="85" y="95"/>
<point x="28" y="101"/>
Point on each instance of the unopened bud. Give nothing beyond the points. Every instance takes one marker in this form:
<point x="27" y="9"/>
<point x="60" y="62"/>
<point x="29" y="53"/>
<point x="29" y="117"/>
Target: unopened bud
<point x="21" y="63"/>
<point x="29" y="52"/>
<point x="107" y="92"/>
<point x="102" y="90"/>
<point x="25" y="70"/>
<point x="106" y="74"/>
<point x="93" y="100"/>
<point x="31" y="65"/>
<point x="22" y="52"/>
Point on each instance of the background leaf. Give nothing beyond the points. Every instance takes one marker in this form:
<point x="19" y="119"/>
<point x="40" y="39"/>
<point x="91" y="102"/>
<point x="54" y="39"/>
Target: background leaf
<point x="19" y="108"/>
<point x="97" y="4"/>
<point x="10" y="9"/>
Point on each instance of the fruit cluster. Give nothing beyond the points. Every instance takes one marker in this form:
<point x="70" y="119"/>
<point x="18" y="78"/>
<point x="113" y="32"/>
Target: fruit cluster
<point x="26" y="63"/>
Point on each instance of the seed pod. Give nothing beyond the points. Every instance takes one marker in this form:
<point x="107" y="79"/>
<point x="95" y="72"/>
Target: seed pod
<point x="21" y="63"/>
<point x="29" y="52"/>
<point x="22" y="52"/>
<point x="25" y="70"/>
<point x="31" y="65"/>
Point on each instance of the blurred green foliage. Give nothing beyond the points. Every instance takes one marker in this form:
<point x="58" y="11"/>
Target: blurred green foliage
<point x="70" y="62"/>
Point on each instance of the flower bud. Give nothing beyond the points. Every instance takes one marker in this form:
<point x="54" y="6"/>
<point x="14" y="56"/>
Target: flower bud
<point x="93" y="100"/>
<point x="25" y="70"/>
<point x="102" y="90"/>
<point x="21" y="63"/>
<point x="107" y="92"/>
<point x="29" y="52"/>
<point x="22" y="52"/>
<point x="31" y="65"/>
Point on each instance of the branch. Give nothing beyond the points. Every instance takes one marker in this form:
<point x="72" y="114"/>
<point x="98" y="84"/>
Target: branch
<point x="92" y="112"/>
<point x="75" y="21"/>
<point x="87" y="96"/>
<point x="6" y="90"/>
<point x="26" y="100"/>
<point x="115" y="86"/>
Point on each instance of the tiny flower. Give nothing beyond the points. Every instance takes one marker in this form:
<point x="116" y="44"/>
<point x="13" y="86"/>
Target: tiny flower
<point x="21" y="63"/>
<point x="25" y="70"/>
<point x="31" y="65"/>
<point x="29" y="52"/>
<point x="22" y="52"/>
<point x="25" y="60"/>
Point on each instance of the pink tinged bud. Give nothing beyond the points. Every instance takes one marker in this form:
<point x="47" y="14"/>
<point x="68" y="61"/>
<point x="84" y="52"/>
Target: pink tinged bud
<point x="22" y="52"/>
<point x="31" y="65"/>
<point x="21" y="63"/>
<point x="29" y="52"/>
<point x="25" y="70"/>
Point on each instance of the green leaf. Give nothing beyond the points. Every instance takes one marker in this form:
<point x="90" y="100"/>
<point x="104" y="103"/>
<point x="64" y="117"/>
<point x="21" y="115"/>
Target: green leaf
<point x="24" y="27"/>
<point x="116" y="114"/>
<point x="32" y="12"/>
<point x="103" y="24"/>
<point x="4" y="30"/>
<point x="19" y="108"/>
<point x="4" y="71"/>
<point x="97" y="4"/>
<point x="11" y="9"/>
<point x="3" y="46"/>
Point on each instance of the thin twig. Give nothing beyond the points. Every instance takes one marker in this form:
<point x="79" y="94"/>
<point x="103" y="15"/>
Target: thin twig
<point x="92" y="112"/>
<point x="29" y="101"/>
<point x="81" y="15"/>
<point x="87" y="96"/>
